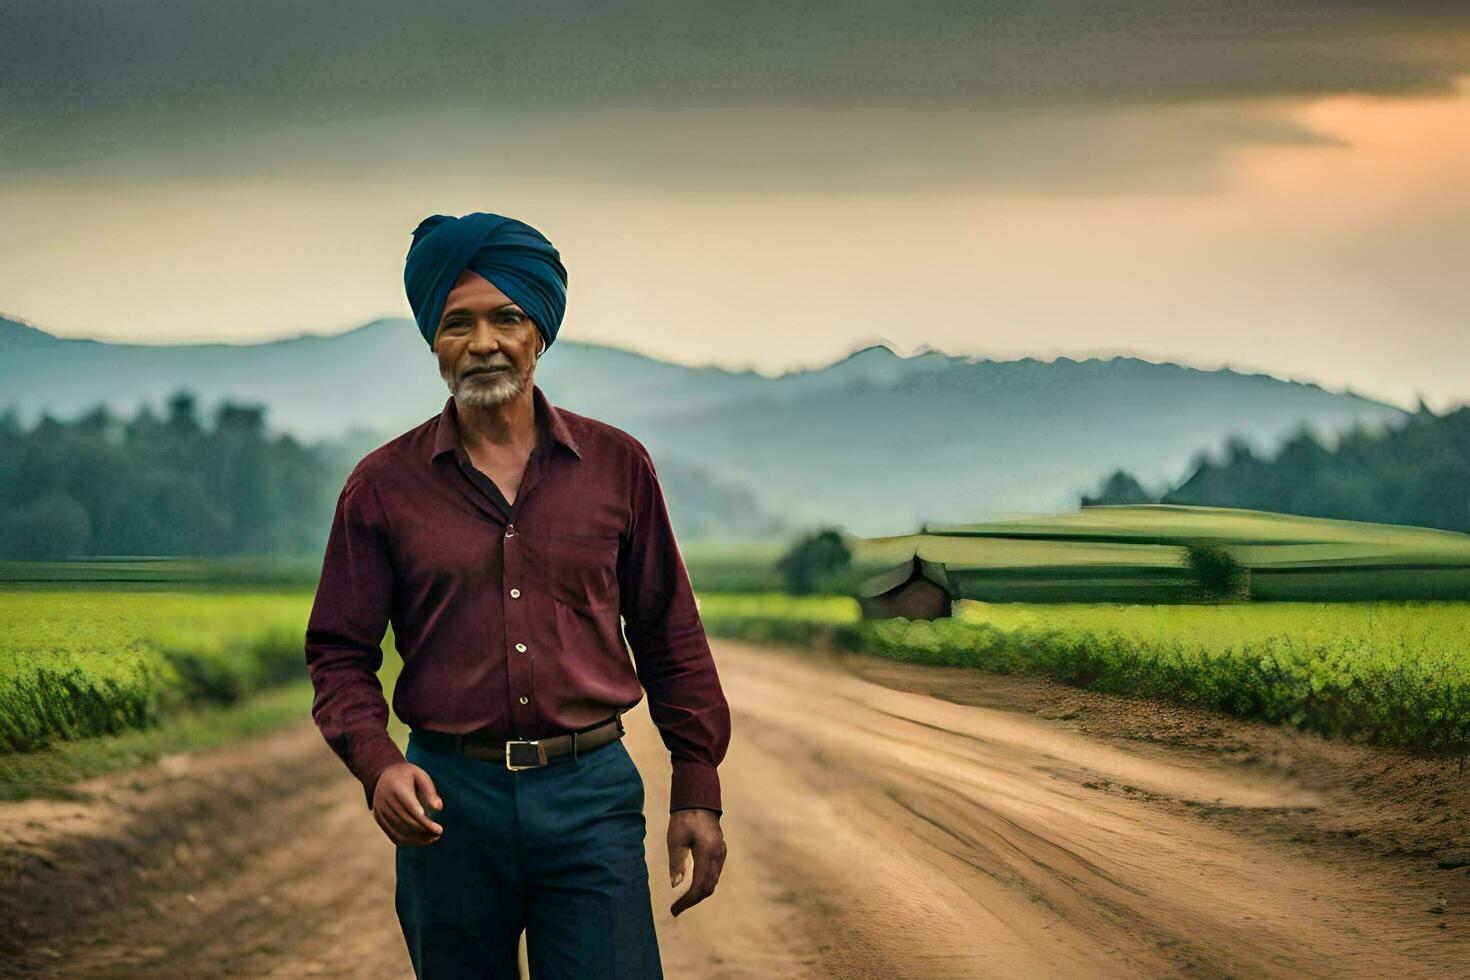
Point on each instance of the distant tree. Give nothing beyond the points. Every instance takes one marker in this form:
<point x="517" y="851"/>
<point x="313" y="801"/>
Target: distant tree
<point x="1119" y="488"/>
<point x="102" y="485"/>
<point x="1299" y="465"/>
<point x="98" y="423"/>
<point x="815" y="560"/>
<point x="243" y="421"/>
<point x="1216" y="570"/>
<point x="53" y="525"/>
<point x="183" y="415"/>
<point x="1412" y="473"/>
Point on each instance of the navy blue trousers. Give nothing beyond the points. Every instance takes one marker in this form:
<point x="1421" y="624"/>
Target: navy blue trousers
<point x="556" y="851"/>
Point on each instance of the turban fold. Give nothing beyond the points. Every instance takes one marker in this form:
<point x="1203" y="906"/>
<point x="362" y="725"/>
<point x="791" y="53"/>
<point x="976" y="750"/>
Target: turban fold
<point x="512" y="255"/>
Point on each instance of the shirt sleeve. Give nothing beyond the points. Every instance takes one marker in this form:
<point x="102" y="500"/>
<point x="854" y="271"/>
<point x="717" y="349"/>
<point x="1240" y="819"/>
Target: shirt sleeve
<point x="344" y="633"/>
<point x="671" y="653"/>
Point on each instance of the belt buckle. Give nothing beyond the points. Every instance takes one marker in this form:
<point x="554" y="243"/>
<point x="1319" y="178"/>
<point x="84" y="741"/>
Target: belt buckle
<point x="540" y="755"/>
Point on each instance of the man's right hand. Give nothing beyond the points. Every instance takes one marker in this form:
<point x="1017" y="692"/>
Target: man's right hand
<point x="402" y="792"/>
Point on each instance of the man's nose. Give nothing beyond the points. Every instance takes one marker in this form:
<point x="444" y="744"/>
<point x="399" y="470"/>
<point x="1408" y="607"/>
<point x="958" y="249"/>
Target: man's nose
<point x="484" y="337"/>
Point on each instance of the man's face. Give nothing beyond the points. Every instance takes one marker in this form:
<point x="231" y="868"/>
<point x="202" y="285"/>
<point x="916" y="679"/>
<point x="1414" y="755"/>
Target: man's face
<point x="486" y="344"/>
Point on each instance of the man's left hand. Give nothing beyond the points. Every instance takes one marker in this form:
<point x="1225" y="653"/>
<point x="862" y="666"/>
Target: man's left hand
<point x="698" y="829"/>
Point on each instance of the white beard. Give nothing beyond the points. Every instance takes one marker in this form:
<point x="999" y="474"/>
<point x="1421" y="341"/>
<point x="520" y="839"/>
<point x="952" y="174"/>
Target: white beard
<point x="485" y="392"/>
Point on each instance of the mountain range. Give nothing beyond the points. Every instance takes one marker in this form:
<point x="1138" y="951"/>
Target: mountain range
<point x="875" y="442"/>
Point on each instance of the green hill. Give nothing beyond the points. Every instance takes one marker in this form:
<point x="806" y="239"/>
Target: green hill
<point x="1159" y="553"/>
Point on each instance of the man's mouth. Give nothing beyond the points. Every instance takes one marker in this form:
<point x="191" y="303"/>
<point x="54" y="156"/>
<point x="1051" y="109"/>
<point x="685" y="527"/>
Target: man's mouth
<point x="487" y="370"/>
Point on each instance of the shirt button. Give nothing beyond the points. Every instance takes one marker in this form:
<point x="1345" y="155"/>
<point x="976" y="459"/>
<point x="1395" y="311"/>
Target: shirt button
<point x="525" y="700"/>
<point x="515" y="593"/>
<point x="521" y="647"/>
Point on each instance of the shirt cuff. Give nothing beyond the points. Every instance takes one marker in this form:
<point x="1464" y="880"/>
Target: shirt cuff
<point x="694" y="784"/>
<point x="371" y="758"/>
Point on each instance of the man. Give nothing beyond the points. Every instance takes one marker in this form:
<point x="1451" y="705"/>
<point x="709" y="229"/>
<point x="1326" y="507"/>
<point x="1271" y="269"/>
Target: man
<point x="504" y="539"/>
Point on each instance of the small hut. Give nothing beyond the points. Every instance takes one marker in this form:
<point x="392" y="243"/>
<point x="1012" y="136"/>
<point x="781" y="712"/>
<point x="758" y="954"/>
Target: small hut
<point x="909" y="590"/>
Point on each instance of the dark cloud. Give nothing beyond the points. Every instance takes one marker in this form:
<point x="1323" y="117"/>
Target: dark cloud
<point x="913" y="152"/>
<point x="88" y="79"/>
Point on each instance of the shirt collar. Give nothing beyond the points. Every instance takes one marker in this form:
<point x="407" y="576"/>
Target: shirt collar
<point x="447" y="438"/>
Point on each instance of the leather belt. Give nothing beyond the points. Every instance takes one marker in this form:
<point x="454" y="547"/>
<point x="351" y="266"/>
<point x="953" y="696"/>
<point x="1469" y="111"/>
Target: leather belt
<point x="518" y="754"/>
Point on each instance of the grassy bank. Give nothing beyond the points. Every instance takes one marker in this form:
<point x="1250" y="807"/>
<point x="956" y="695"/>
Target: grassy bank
<point x="95" y="682"/>
<point x="51" y="772"/>
<point x="81" y="664"/>
<point x="1395" y="674"/>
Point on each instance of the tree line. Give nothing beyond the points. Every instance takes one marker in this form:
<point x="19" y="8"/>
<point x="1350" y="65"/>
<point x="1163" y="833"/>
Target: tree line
<point x="163" y="484"/>
<point x="1413" y="473"/>
<point x="168" y="484"/>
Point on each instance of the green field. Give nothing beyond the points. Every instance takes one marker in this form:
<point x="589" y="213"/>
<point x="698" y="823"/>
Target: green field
<point x="1142" y="554"/>
<point x="162" y="574"/>
<point x="75" y="664"/>
<point x="1128" y="554"/>
<point x="109" y="673"/>
<point x="714" y="565"/>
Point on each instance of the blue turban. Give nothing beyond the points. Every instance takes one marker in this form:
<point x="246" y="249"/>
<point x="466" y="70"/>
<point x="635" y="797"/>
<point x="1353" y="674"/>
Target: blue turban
<point x="512" y="255"/>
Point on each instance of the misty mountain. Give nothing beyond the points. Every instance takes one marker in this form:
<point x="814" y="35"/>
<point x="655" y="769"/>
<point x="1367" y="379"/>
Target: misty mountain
<point x="875" y="442"/>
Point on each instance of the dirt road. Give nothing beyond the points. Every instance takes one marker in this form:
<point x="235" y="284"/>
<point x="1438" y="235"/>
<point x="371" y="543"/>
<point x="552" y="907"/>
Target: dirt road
<point x="883" y="820"/>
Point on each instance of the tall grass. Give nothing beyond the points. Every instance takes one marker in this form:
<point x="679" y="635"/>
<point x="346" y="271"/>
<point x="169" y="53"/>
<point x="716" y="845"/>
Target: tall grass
<point x="1395" y="674"/>
<point x="76" y="664"/>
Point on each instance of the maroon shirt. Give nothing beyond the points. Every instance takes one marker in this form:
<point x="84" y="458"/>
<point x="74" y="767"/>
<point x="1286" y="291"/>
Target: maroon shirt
<point x="510" y="622"/>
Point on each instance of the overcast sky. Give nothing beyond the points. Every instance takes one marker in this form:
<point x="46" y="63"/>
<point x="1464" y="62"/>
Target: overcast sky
<point x="1282" y="186"/>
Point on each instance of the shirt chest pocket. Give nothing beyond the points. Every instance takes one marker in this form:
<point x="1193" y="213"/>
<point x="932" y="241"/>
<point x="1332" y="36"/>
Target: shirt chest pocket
<point x="581" y="570"/>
